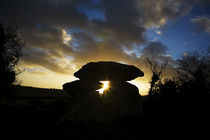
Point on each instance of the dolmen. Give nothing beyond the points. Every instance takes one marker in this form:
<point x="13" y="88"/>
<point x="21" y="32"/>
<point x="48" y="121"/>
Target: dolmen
<point x="88" y="103"/>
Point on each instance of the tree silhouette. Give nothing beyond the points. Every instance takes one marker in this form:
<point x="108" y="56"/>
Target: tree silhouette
<point x="193" y="69"/>
<point x="155" y="60"/>
<point x="10" y="52"/>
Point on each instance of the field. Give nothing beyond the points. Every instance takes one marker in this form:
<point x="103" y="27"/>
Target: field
<point x="34" y="113"/>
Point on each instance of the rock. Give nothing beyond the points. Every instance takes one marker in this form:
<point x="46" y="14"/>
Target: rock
<point x="105" y="70"/>
<point x="122" y="99"/>
<point x="78" y="87"/>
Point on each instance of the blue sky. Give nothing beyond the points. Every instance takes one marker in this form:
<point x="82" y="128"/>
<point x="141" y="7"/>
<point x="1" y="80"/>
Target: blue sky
<point x="180" y="35"/>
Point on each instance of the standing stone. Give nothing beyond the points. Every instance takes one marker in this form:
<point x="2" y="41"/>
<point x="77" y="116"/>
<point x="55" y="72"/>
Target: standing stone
<point x="121" y="99"/>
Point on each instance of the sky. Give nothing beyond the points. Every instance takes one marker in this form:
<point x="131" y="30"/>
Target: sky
<point x="62" y="35"/>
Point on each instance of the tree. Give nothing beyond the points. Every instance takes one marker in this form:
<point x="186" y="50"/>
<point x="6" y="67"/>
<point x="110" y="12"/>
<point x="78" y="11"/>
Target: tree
<point x="194" y="69"/>
<point x="155" y="59"/>
<point x="10" y="52"/>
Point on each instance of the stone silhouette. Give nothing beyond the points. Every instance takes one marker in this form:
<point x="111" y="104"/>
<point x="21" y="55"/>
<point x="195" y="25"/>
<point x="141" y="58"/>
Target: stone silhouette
<point x="111" y="71"/>
<point x="121" y="99"/>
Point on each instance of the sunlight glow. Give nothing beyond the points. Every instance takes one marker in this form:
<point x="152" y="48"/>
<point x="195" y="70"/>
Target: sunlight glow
<point x="162" y="21"/>
<point x="106" y="86"/>
<point x="159" y="32"/>
<point x="143" y="86"/>
<point x="66" y="37"/>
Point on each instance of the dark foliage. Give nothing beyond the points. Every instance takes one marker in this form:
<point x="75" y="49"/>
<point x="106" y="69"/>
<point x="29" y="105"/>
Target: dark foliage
<point x="180" y="107"/>
<point x="10" y="52"/>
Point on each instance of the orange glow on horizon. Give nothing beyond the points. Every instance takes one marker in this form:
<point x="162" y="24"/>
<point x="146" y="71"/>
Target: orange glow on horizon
<point x="55" y="81"/>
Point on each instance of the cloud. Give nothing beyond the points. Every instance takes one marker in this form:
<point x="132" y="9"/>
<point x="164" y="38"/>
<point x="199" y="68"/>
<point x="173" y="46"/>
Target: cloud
<point x="159" y="32"/>
<point x="92" y="50"/>
<point x="43" y="59"/>
<point x="121" y="21"/>
<point x="127" y="20"/>
<point x="204" y="4"/>
<point x="60" y="37"/>
<point x="59" y="13"/>
<point x="202" y="23"/>
<point x="156" y="13"/>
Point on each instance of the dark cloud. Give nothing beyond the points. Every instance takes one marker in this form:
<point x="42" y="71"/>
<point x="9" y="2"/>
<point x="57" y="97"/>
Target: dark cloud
<point x="42" y="24"/>
<point x="156" y="13"/>
<point x="121" y="21"/>
<point x="204" y="4"/>
<point x="126" y="20"/>
<point x="202" y="23"/>
<point x="91" y="50"/>
<point x="59" y="13"/>
<point x="47" y="37"/>
<point x="42" y="58"/>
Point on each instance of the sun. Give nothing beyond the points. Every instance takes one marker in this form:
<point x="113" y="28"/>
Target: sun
<point x="105" y="86"/>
